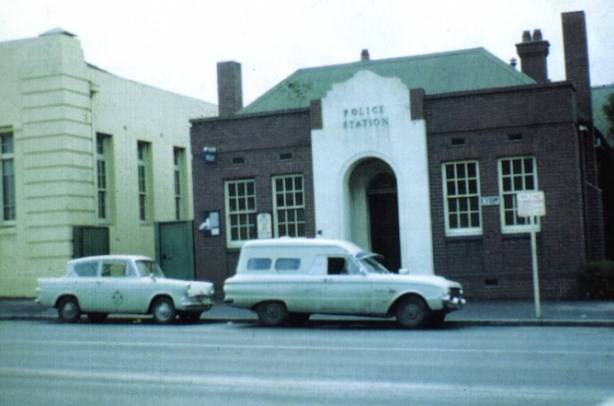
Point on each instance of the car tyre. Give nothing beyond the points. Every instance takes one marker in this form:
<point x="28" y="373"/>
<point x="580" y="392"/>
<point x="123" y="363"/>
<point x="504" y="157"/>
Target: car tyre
<point x="97" y="317"/>
<point x="412" y="312"/>
<point x="163" y="311"/>
<point x="272" y="313"/>
<point x="68" y="310"/>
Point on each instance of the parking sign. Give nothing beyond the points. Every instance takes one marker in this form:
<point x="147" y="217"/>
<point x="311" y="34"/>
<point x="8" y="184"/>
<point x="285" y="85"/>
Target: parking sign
<point x="530" y="204"/>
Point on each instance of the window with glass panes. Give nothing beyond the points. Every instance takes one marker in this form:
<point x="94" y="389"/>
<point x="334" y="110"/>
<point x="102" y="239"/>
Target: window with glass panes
<point x="289" y="205"/>
<point x="179" y="175"/>
<point x="143" y="180"/>
<point x="7" y="174"/>
<point x="102" y="179"/>
<point x="240" y="210"/>
<point x="461" y="186"/>
<point x="515" y="175"/>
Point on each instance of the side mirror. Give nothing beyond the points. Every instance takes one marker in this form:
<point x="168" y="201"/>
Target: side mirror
<point x="403" y="271"/>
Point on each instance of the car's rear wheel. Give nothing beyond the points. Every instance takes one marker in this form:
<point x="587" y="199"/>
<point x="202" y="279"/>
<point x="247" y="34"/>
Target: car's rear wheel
<point x="412" y="312"/>
<point x="68" y="310"/>
<point x="272" y="313"/>
<point x="163" y="311"/>
<point x="97" y="317"/>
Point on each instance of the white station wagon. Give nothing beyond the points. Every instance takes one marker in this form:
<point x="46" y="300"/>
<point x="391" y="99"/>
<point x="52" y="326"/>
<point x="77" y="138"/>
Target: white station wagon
<point x="288" y="279"/>
<point x="131" y="284"/>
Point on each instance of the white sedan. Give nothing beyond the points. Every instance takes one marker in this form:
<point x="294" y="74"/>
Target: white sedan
<point x="130" y="284"/>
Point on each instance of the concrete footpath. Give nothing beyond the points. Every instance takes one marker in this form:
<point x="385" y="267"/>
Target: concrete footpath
<point x="489" y="313"/>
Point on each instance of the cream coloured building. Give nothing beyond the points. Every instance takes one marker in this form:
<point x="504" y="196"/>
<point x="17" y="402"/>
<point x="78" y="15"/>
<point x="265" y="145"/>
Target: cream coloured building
<point x="89" y="163"/>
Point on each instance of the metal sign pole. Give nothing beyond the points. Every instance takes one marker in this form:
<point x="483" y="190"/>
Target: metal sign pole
<point x="538" y="310"/>
<point x="532" y="204"/>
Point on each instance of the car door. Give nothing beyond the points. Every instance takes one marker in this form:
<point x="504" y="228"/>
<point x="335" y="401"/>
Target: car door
<point x="134" y="290"/>
<point x="345" y="289"/>
<point x="83" y="283"/>
<point x="110" y="294"/>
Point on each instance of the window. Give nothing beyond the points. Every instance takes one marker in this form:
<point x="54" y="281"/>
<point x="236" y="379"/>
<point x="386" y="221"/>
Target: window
<point x="287" y="264"/>
<point x="86" y="269"/>
<point x="259" y="264"/>
<point x="180" y="181"/>
<point x="115" y="269"/>
<point x="144" y="169"/>
<point x="289" y="205"/>
<point x="461" y="187"/>
<point x="103" y="143"/>
<point x="515" y="175"/>
<point x="7" y="176"/>
<point x="240" y="210"/>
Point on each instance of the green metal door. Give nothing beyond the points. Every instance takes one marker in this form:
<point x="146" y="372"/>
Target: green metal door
<point x="175" y="249"/>
<point x="88" y="241"/>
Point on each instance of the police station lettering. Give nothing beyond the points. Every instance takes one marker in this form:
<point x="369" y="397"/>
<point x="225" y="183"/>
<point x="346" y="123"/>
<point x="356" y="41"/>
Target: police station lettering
<point x="364" y="117"/>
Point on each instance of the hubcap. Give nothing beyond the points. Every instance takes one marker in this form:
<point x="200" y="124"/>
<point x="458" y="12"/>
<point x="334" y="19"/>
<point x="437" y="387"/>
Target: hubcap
<point x="70" y="310"/>
<point x="163" y="311"/>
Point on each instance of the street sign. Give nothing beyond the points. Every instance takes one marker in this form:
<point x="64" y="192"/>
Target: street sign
<point x="531" y="204"/>
<point x="489" y="201"/>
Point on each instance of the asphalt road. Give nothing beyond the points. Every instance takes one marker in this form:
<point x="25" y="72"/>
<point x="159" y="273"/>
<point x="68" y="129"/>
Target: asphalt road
<point x="123" y="363"/>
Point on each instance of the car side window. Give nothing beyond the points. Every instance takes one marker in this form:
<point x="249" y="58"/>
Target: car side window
<point x="287" y="264"/>
<point x="114" y="269"/>
<point x="86" y="269"/>
<point x="337" y="266"/>
<point x="259" y="264"/>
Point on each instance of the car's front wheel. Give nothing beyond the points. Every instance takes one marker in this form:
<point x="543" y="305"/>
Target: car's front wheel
<point x="412" y="312"/>
<point x="163" y="311"/>
<point x="68" y="310"/>
<point x="272" y="313"/>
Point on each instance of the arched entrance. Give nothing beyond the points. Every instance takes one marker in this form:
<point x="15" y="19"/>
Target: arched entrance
<point x="374" y="210"/>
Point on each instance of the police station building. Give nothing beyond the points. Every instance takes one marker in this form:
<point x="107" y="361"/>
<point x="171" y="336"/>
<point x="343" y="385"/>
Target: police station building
<point x="417" y="158"/>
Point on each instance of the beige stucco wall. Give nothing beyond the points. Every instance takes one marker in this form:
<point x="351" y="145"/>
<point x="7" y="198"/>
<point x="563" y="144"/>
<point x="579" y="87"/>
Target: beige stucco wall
<point x="55" y="103"/>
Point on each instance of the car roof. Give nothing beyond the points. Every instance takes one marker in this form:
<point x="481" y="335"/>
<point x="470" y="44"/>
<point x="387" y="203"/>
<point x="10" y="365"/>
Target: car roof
<point x="304" y="242"/>
<point x="110" y="257"/>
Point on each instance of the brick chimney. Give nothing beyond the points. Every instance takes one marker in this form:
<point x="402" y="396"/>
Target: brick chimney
<point x="533" y="51"/>
<point x="364" y="55"/>
<point x="229" y="88"/>
<point x="576" y="60"/>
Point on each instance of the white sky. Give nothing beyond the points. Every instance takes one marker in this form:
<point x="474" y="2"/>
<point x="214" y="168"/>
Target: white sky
<point x="175" y="44"/>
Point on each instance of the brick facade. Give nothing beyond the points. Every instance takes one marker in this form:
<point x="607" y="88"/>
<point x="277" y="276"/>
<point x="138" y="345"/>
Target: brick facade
<point x="530" y="121"/>
<point x="549" y="122"/>
<point x="257" y="147"/>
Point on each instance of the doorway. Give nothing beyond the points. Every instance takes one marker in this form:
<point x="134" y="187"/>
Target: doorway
<point x="89" y="241"/>
<point x="373" y="210"/>
<point x="384" y="219"/>
<point x="175" y="249"/>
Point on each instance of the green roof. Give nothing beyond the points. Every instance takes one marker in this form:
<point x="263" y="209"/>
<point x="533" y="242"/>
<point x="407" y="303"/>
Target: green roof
<point x="470" y="69"/>
<point x="600" y="96"/>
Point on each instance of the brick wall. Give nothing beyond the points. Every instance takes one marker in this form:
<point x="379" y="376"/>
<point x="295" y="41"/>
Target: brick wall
<point x="258" y="141"/>
<point x="536" y="120"/>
